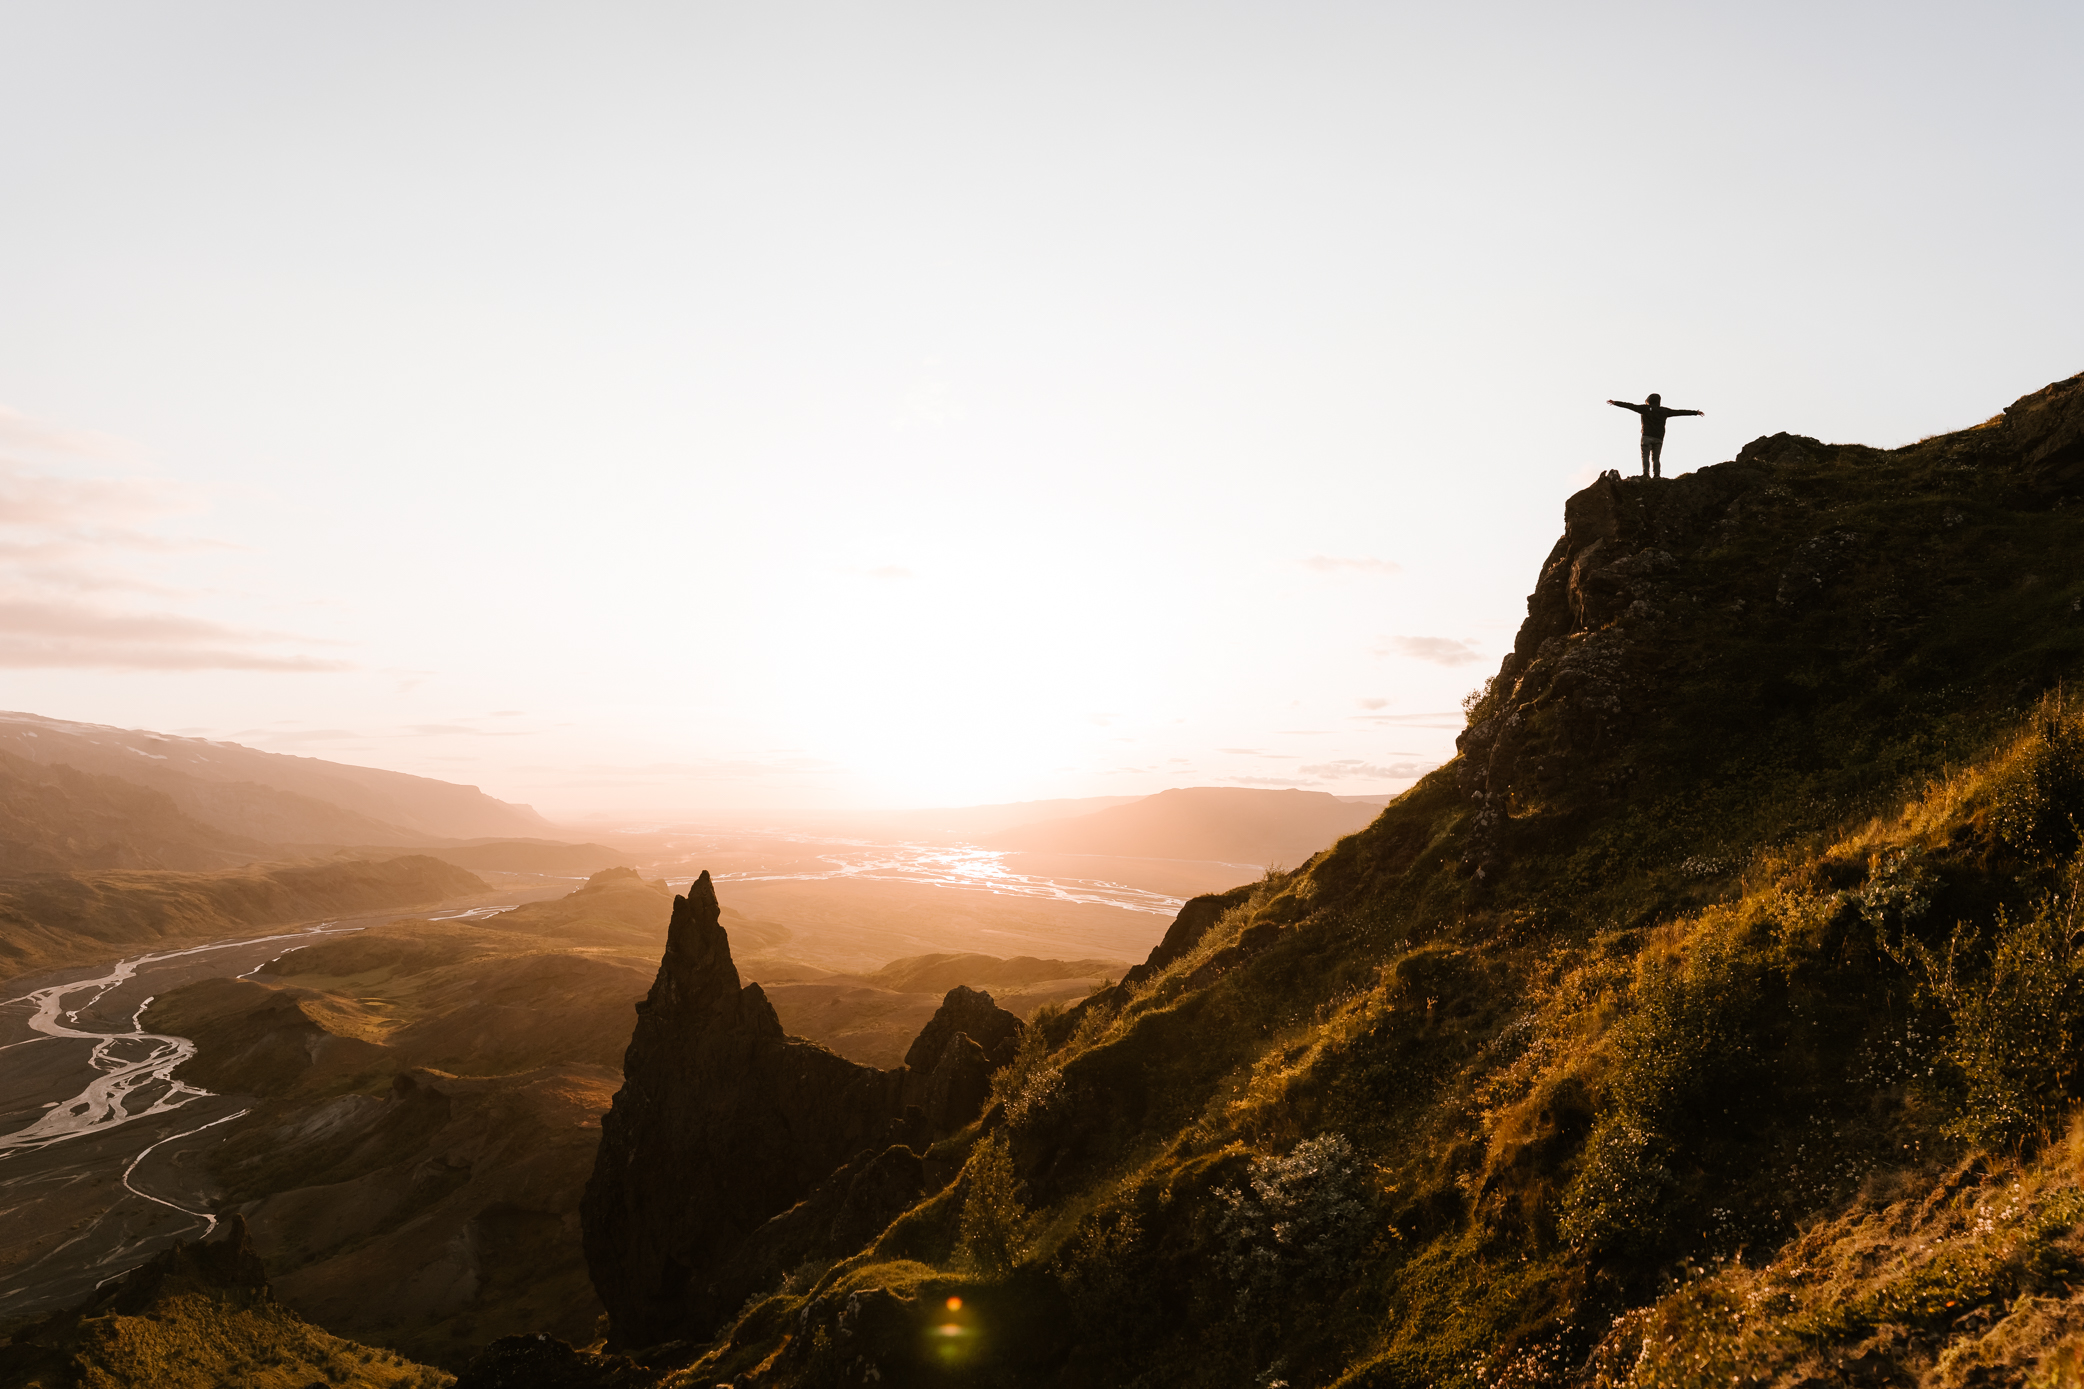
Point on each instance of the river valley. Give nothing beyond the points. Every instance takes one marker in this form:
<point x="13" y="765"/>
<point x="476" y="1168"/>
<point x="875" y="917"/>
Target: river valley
<point x="101" y="1154"/>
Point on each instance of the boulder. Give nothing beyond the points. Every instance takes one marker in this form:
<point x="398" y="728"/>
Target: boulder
<point x="964" y="1010"/>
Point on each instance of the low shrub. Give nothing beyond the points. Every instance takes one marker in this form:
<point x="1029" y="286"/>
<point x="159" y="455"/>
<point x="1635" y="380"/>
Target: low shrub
<point x="2016" y="1017"/>
<point x="2037" y="792"/>
<point x="995" y="1221"/>
<point x="1301" y="1220"/>
<point x="1686" y="1041"/>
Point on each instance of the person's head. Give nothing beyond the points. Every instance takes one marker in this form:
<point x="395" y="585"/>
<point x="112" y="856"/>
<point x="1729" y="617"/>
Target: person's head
<point x="1653" y="397"/>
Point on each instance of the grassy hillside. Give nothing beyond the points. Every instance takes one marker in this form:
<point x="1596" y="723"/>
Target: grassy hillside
<point x="49" y="920"/>
<point x="57" y="818"/>
<point x="1714" y="1018"/>
<point x="199" y="1316"/>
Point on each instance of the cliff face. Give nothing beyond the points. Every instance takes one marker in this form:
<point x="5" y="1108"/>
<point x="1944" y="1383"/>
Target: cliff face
<point x="733" y="1151"/>
<point x="1677" y="620"/>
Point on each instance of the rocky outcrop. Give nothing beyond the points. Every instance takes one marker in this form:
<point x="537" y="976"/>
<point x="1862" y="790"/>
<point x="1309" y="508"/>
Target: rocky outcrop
<point x="1186" y="931"/>
<point x="1568" y="689"/>
<point x="722" y="1122"/>
<point x="967" y="1011"/>
<point x="544" y="1362"/>
<point x="846" y="1211"/>
<point x="1551" y="735"/>
<point x="734" y="1152"/>
<point x="2047" y="430"/>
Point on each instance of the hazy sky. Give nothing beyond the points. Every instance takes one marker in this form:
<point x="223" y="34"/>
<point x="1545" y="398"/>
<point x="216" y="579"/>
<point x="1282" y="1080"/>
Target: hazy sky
<point x="659" y="407"/>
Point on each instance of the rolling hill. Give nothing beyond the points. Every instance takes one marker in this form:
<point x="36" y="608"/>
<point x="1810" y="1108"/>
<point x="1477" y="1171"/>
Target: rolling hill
<point x="54" y="818"/>
<point x="1229" y="824"/>
<point x="273" y="798"/>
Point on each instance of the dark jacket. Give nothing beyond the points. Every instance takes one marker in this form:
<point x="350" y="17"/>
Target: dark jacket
<point x="1654" y="416"/>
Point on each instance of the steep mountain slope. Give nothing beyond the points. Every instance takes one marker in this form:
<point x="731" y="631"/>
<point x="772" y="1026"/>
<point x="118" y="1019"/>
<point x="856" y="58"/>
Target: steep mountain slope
<point x="1231" y="824"/>
<point x="56" y="818"/>
<point x="1714" y="1018"/>
<point x="272" y="797"/>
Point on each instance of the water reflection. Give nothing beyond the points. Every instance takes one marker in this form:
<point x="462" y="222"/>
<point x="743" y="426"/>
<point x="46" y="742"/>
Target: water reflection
<point x="962" y="868"/>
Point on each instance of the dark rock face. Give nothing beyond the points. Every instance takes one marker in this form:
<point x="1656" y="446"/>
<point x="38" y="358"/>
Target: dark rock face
<point x="544" y="1362"/>
<point x="722" y="1122"/>
<point x="959" y="1087"/>
<point x="1566" y="692"/>
<point x="2047" y="429"/>
<point x="1553" y="734"/>
<point x="964" y="1010"/>
<point x="733" y="1152"/>
<point x="848" y="1209"/>
<point x="1816" y="562"/>
<point x="1185" y="933"/>
<point x="224" y="1261"/>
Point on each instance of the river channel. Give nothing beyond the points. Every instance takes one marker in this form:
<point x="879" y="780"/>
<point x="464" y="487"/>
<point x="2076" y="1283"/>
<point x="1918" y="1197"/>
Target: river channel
<point x="101" y="1147"/>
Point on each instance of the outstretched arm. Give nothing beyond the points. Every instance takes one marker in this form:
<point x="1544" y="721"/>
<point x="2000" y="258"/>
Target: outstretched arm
<point x="1689" y="412"/>
<point x="1626" y="406"/>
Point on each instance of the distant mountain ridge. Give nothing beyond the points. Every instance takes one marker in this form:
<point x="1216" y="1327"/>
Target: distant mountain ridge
<point x="1227" y="824"/>
<point x="272" y="797"/>
<point x="56" y="818"/>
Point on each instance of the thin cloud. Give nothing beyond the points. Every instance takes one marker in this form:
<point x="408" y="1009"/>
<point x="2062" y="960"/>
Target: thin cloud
<point x="1445" y="718"/>
<point x="1338" y="564"/>
<point x="300" y="735"/>
<point x="1348" y="768"/>
<point x="1372" y="703"/>
<point x="49" y="633"/>
<point x="1439" y="651"/>
<point x="66" y="536"/>
<point x="1265" y="781"/>
<point x="20" y="431"/>
<point x="119" y="656"/>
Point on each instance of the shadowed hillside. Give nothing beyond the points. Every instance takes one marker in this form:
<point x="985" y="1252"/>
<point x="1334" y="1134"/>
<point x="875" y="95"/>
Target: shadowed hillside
<point x="270" y="797"/>
<point x="56" y="818"/>
<point x="53" y="919"/>
<point x="199" y="1316"/>
<point x="1714" y="1018"/>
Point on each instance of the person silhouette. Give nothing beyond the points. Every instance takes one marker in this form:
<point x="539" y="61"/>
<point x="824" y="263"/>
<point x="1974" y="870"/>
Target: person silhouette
<point x="1654" y="415"/>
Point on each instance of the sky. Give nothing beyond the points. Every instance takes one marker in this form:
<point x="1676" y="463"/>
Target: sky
<point x="644" y="409"/>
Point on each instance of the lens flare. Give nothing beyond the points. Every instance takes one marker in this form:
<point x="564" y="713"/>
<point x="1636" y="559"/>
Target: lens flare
<point x="954" y="1338"/>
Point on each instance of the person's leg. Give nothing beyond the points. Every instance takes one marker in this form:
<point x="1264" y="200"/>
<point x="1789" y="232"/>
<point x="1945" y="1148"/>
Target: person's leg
<point x="1655" y="448"/>
<point x="1647" y="446"/>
